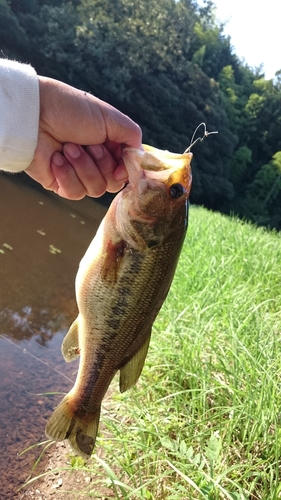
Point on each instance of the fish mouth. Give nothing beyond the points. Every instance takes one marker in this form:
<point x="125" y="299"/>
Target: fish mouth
<point x="158" y="165"/>
<point x="158" y="160"/>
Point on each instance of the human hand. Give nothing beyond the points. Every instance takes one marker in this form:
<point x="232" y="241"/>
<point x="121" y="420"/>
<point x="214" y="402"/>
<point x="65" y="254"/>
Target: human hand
<point x="70" y="118"/>
<point x="89" y="170"/>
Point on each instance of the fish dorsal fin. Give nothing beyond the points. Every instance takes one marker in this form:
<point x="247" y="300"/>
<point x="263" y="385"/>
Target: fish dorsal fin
<point x="70" y="345"/>
<point x="130" y="373"/>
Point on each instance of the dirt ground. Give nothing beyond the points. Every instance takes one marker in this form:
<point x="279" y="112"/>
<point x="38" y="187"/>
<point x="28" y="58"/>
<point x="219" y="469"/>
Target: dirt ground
<point x="63" y="485"/>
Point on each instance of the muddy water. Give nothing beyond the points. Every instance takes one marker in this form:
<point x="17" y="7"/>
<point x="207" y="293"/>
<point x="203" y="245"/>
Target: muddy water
<point x="42" y="239"/>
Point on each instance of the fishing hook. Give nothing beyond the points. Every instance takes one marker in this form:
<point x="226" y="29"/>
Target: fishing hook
<point x="192" y="142"/>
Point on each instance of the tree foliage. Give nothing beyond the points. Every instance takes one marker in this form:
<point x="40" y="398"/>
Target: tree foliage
<point x="169" y="66"/>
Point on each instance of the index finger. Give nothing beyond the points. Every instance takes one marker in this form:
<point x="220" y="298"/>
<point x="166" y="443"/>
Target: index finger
<point x="120" y="128"/>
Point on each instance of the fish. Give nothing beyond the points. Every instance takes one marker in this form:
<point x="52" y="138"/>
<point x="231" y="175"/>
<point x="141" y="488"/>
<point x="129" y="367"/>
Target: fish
<point x="122" y="281"/>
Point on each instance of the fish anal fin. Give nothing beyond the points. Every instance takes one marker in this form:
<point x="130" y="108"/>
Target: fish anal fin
<point x="130" y="373"/>
<point x="70" y="345"/>
<point x="79" y="430"/>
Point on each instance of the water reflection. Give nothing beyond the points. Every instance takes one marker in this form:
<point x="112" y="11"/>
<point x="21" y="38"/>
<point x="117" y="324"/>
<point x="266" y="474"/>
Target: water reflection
<point x="27" y="322"/>
<point x="42" y="239"/>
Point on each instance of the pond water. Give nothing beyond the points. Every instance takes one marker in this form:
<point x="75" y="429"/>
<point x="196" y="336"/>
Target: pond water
<point x="42" y="240"/>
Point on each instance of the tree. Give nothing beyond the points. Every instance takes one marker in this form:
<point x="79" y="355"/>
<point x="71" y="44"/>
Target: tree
<point x="169" y="66"/>
<point x="13" y="40"/>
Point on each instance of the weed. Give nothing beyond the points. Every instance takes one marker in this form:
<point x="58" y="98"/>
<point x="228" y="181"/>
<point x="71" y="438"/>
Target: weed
<point x="204" y="421"/>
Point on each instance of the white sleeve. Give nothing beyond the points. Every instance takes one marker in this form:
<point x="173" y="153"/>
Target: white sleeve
<point x="19" y="115"/>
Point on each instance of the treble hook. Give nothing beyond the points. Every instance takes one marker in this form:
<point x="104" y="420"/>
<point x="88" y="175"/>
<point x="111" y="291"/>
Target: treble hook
<point x="192" y="142"/>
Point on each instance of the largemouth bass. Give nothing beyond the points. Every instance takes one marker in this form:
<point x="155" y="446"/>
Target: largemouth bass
<point x="121" y="284"/>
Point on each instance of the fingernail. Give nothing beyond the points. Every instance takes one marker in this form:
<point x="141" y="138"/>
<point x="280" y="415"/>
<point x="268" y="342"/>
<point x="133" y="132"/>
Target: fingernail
<point x="72" y="150"/>
<point x="58" y="159"/>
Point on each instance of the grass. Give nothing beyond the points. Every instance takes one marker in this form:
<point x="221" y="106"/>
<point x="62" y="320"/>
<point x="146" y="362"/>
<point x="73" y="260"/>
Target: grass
<point x="204" y="421"/>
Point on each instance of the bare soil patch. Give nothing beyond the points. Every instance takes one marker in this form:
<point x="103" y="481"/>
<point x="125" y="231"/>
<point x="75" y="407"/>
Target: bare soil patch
<point x="63" y="484"/>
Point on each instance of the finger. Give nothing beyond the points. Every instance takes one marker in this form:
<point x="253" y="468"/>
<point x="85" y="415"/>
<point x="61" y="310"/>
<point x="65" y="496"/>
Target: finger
<point x="120" y="128"/>
<point x="86" y="169"/>
<point x="106" y="165"/>
<point x="44" y="176"/>
<point x="40" y="169"/>
<point x="66" y="184"/>
<point x="120" y="173"/>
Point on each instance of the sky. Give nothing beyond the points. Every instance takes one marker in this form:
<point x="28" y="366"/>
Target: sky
<point x="255" y="30"/>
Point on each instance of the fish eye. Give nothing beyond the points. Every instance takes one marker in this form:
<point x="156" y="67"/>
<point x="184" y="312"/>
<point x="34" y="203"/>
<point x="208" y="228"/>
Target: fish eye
<point x="176" y="190"/>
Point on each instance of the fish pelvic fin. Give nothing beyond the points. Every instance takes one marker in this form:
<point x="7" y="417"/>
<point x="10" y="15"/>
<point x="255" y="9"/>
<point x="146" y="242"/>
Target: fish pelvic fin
<point x="80" y="431"/>
<point x="70" y="345"/>
<point x="130" y="373"/>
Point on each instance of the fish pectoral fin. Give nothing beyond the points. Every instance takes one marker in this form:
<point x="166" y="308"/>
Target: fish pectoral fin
<point x="130" y="373"/>
<point x="81" y="431"/>
<point x="70" y="345"/>
<point x="112" y="260"/>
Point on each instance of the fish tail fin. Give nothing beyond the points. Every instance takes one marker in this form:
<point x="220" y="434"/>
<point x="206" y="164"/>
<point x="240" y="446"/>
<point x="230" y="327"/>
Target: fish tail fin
<point x="81" y="431"/>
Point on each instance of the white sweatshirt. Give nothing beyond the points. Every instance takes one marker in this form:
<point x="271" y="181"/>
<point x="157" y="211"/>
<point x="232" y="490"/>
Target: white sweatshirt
<point x="19" y="115"/>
